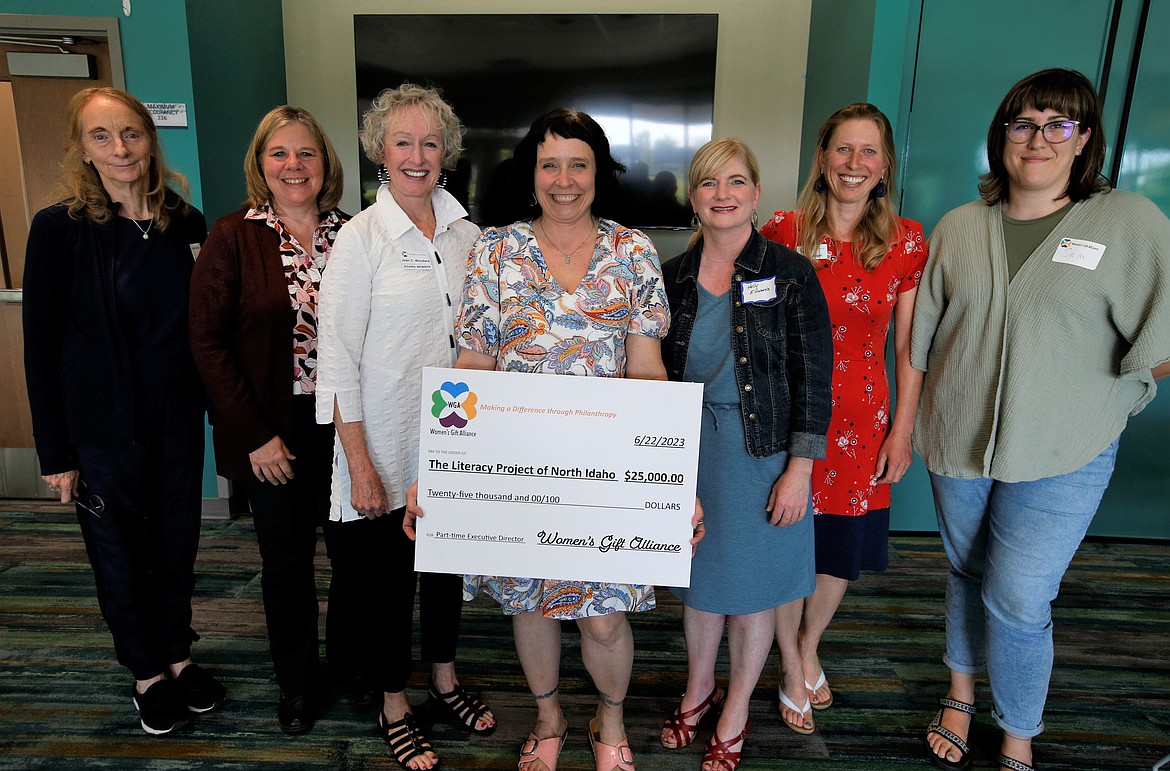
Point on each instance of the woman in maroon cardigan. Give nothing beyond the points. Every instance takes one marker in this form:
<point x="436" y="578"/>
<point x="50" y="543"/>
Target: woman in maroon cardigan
<point x="254" y="338"/>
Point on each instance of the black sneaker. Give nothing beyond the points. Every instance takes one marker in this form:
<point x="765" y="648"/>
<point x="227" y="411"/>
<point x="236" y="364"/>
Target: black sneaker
<point x="200" y="691"/>
<point x="161" y="708"/>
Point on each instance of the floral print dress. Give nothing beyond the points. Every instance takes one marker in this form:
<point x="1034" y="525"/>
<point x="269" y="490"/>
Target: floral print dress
<point x="861" y="306"/>
<point x="514" y="311"/>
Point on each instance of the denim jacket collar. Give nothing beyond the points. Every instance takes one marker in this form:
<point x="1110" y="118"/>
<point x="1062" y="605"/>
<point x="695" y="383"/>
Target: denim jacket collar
<point x="751" y="258"/>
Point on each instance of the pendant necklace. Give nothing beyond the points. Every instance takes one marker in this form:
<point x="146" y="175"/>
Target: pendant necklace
<point x="568" y="255"/>
<point x="144" y="231"/>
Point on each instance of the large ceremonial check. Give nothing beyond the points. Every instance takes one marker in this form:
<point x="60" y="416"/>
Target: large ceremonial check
<point x="553" y="476"/>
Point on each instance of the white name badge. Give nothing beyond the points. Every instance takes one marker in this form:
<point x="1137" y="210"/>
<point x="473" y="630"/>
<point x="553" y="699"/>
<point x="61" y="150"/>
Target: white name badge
<point x="415" y="260"/>
<point x="1074" y="251"/>
<point x="759" y="291"/>
<point x="548" y="476"/>
<point x="195" y="249"/>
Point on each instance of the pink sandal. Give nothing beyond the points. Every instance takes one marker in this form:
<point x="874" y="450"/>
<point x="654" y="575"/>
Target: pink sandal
<point x="610" y="757"/>
<point x="545" y="750"/>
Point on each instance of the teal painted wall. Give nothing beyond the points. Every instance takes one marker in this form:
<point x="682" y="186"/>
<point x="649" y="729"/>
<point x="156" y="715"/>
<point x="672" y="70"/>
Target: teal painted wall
<point x="157" y="62"/>
<point x="1138" y="499"/>
<point x="938" y="69"/>
<point x="238" y="75"/>
<point x="840" y="38"/>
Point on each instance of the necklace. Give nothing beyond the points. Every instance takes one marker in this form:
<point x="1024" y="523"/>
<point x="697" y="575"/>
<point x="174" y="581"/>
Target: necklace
<point x="144" y="231"/>
<point x="712" y="259"/>
<point x="568" y="255"/>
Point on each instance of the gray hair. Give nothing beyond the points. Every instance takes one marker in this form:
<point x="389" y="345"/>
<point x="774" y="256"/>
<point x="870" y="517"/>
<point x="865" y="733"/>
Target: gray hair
<point x="392" y="101"/>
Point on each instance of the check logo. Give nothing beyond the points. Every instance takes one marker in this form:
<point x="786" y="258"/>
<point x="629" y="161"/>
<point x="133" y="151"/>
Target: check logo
<point x="453" y="404"/>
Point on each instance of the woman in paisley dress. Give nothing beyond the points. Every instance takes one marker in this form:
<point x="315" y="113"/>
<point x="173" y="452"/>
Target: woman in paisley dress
<point x="869" y="262"/>
<point x="566" y="292"/>
<point x="254" y="338"/>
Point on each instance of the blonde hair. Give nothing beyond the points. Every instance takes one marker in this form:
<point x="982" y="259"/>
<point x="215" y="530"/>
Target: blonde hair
<point x="258" y="191"/>
<point x="714" y="157"/>
<point x="392" y="101"/>
<point x="81" y="188"/>
<point x="879" y="227"/>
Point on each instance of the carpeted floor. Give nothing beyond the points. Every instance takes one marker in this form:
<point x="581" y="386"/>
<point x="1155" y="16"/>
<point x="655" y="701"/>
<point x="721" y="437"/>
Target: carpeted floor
<point x="64" y="703"/>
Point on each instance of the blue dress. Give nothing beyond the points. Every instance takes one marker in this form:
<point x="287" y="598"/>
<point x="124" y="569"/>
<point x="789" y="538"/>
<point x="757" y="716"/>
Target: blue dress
<point x="743" y="565"/>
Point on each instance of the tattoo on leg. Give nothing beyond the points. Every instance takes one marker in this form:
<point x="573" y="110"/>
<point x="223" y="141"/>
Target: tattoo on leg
<point x="549" y="695"/>
<point x="610" y="702"/>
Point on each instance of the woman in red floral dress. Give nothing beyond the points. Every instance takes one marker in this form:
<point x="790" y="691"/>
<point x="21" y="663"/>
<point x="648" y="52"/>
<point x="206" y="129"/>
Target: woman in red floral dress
<point x="869" y="262"/>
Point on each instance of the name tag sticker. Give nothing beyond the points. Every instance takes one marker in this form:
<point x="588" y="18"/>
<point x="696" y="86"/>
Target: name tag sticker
<point x="415" y="260"/>
<point x="759" y="291"/>
<point x="195" y="251"/>
<point x="1074" y="251"/>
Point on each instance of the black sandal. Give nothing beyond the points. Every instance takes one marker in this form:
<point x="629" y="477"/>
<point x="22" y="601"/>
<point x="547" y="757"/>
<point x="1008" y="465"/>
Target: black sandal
<point x="1014" y="765"/>
<point x="406" y="741"/>
<point x="936" y="727"/>
<point x="462" y="708"/>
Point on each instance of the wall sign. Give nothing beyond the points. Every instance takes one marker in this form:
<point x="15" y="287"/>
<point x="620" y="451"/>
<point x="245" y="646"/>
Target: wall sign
<point x="168" y="114"/>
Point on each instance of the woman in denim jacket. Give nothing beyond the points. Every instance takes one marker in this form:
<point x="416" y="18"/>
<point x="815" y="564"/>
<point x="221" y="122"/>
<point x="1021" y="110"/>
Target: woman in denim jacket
<point x="765" y="414"/>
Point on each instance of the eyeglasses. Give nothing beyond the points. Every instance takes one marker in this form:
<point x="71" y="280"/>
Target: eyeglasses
<point x="1021" y="131"/>
<point x="91" y="503"/>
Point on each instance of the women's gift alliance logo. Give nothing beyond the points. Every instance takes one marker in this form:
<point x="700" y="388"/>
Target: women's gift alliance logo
<point x="453" y="405"/>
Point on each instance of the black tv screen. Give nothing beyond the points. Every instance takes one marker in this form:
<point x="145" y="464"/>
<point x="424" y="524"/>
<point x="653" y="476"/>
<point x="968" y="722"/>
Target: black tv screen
<point x="648" y="79"/>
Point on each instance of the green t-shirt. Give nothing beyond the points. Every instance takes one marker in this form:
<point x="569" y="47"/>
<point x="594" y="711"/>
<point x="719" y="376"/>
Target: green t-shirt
<point x="1022" y="237"/>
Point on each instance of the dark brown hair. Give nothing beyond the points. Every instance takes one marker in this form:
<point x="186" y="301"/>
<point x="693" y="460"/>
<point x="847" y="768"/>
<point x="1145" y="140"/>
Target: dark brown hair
<point x="568" y="124"/>
<point x="1068" y="92"/>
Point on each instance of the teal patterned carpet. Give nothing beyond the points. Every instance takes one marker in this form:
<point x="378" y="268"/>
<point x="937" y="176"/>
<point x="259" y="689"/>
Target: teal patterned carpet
<point x="65" y="705"/>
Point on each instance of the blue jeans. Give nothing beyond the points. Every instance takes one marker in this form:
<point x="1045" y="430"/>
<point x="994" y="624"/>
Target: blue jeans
<point x="1009" y="544"/>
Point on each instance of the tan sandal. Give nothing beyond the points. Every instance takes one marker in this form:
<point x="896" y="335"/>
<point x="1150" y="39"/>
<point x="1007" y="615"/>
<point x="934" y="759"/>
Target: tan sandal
<point x="800" y="727"/>
<point x="812" y="689"/>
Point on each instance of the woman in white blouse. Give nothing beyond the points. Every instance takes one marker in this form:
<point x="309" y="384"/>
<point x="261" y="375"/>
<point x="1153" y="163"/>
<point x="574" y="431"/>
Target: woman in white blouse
<point x="388" y="302"/>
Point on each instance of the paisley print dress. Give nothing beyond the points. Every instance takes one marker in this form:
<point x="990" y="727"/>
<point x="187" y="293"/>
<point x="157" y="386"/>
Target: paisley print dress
<point x="514" y="310"/>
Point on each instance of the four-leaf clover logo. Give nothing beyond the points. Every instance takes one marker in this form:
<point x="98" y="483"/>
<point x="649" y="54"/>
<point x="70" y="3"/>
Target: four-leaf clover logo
<point x="453" y="404"/>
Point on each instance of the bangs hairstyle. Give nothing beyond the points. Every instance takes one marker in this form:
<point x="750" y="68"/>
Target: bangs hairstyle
<point x="567" y="124"/>
<point x="879" y="227"/>
<point x="392" y="101"/>
<point x="714" y="157"/>
<point x="1067" y="92"/>
<point x="81" y="188"/>
<point x="258" y="192"/>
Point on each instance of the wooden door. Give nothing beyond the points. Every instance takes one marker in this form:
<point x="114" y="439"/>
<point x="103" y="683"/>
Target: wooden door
<point x="38" y="107"/>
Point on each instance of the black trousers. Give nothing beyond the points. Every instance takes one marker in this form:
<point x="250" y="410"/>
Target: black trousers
<point x="371" y="603"/>
<point x="286" y="518"/>
<point x="143" y="546"/>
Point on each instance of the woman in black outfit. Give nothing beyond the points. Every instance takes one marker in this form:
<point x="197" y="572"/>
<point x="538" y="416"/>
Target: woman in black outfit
<point x="116" y="402"/>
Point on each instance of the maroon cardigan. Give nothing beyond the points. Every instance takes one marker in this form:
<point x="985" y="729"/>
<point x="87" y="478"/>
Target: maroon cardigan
<point x="241" y="338"/>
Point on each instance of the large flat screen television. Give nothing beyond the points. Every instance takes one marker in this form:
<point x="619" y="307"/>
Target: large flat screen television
<point x="648" y="79"/>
